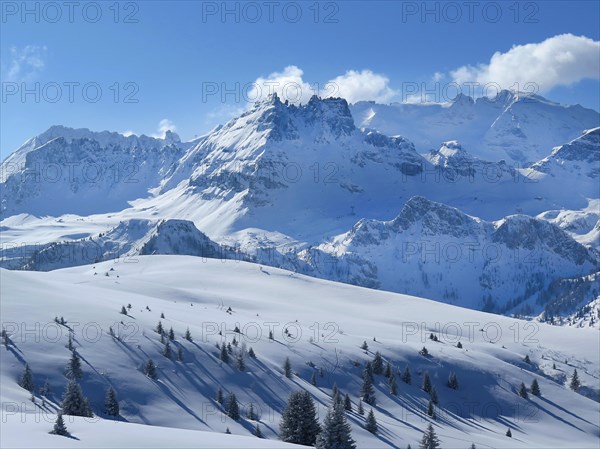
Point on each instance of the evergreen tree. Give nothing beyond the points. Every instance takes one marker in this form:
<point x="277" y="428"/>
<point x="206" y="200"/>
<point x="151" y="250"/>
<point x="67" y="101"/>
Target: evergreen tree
<point x="227" y="431"/>
<point x="74" y="371"/>
<point x="369" y="370"/>
<point x="360" y="409"/>
<point x="364" y="346"/>
<point x="239" y="362"/>
<point x="287" y="368"/>
<point x="45" y="390"/>
<point x="367" y="392"/>
<point x="527" y="360"/>
<point x="159" y="328"/>
<point x="424" y="351"/>
<point x="535" y="388"/>
<point x="74" y="403"/>
<point x="459" y="345"/>
<point x="171" y="334"/>
<point x="431" y="409"/>
<point x="377" y="363"/>
<point x="523" y="391"/>
<point x="123" y="310"/>
<point x="251" y="353"/>
<point x="180" y="354"/>
<point x="299" y="423"/>
<point x="434" y="396"/>
<point x="26" y="380"/>
<point x="335" y="393"/>
<point x="224" y="354"/>
<point x="250" y="414"/>
<point x="509" y="433"/>
<point x="257" y="432"/>
<point x="426" y="387"/>
<point x="162" y="314"/>
<point x="167" y="350"/>
<point x="220" y="396"/>
<point x="393" y="385"/>
<point x="406" y="377"/>
<point x="271" y="335"/>
<point x="59" y="427"/>
<point x="453" y="381"/>
<point x="371" y="423"/>
<point x="347" y="403"/>
<point x="336" y="432"/>
<point x="188" y="335"/>
<point x="150" y="369"/>
<point x="313" y="379"/>
<point x="388" y="371"/>
<point x="575" y="382"/>
<point x="70" y="342"/>
<point x="430" y="439"/>
<point x="111" y="404"/>
<point x="233" y="408"/>
<point x="229" y="348"/>
<point x="473" y="446"/>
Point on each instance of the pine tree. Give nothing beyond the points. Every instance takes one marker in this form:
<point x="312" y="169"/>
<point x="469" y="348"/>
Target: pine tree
<point x="74" y="403"/>
<point x="336" y="432"/>
<point x="434" y="396"/>
<point x="167" y="350"/>
<point x="239" y="362"/>
<point x="59" y="427"/>
<point x="229" y="348"/>
<point x="171" y="334"/>
<point x="180" y="356"/>
<point x="250" y="414"/>
<point x="426" y="387"/>
<point x="367" y="392"/>
<point x="575" y="382"/>
<point x="227" y="431"/>
<point x="347" y="403"/>
<point x="377" y="364"/>
<point x="369" y="370"/>
<point x="473" y="446"/>
<point x="430" y="439"/>
<point x="388" y="371"/>
<point x="424" y="351"/>
<point x="26" y="380"/>
<point x="453" y="381"/>
<point x="123" y="310"/>
<point x="527" y="360"/>
<point x="335" y="393"/>
<point x="313" y="379"/>
<point x="251" y="353"/>
<point x="159" y="328"/>
<point x="459" y="345"/>
<point x="535" y="388"/>
<point x="150" y="369"/>
<point x="360" y="409"/>
<point x="74" y="371"/>
<point x="271" y="335"/>
<point x="431" y="409"/>
<point x="224" y="354"/>
<point x="188" y="335"/>
<point x="220" y="396"/>
<point x="371" y="423"/>
<point x="111" y="404"/>
<point x="299" y="423"/>
<point x="162" y="314"/>
<point x="393" y="385"/>
<point x="45" y="390"/>
<point x="257" y="432"/>
<point x="233" y="408"/>
<point x="364" y="346"/>
<point x="523" y="391"/>
<point x="287" y="368"/>
<point x="406" y="377"/>
<point x="509" y="433"/>
<point x="70" y="342"/>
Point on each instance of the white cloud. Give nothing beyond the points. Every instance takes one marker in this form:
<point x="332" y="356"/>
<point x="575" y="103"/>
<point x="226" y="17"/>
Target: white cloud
<point x="560" y="60"/>
<point x="163" y="126"/>
<point x="359" y="86"/>
<point x="25" y="63"/>
<point x="288" y="85"/>
<point x="128" y="133"/>
<point x="437" y="77"/>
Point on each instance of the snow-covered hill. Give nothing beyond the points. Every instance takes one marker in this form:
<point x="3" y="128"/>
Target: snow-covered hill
<point x="326" y="325"/>
<point x="516" y="127"/>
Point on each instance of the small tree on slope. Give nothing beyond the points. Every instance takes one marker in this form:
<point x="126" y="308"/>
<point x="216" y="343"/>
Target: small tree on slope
<point x="26" y="380"/>
<point x="336" y="431"/>
<point x="111" y="404"/>
<point x="299" y="423"/>
<point x="430" y="439"/>
<point x="59" y="427"/>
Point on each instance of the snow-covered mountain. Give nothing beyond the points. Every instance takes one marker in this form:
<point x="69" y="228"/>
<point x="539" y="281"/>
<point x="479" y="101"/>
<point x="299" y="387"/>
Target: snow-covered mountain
<point x="319" y="325"/>
<point x="515" y="126"/>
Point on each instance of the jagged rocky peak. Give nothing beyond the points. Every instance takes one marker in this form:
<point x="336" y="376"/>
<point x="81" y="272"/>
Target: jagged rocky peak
<point x="462" y="100"/>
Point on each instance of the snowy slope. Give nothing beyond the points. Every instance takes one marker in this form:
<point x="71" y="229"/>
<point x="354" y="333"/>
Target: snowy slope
<point x="196" y="294"/>
<point x="516" y="127"/>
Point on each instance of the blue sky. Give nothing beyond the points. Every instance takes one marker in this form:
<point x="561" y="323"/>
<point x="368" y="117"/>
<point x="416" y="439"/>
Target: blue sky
<point x="166" y="54"/>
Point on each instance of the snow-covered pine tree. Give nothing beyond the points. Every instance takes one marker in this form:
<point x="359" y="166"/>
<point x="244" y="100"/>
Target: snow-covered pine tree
<point x="188" y="335"/>
<point x="171" y="334"/>
<point x="523" y="391"/>
<point x="453" y="381"/>
<point x="406" y="377"/>
<point x="257" y="431"/>
<point x="367" y="392"/>
<point x="388" y="370"/>
<point x="59" y="427"/>
<point x="73" y="370"/>
<point x="527" y="360"/>
<point x="233" y="408"/>
<point x="123" y="310"/>
<point x="377" y="364"/>
<point x="364" y="346"/>
<point x="393" y="385"/>
<point x="509" y="433"/>
<point x="167" y="350"/>
<point x="459" y="345"/>
<point x="360" y="409"/>
<point x="424" y="352"/>
<point x="250" y="413"/>
<point x="111" y="403"/>
<point x="347" y="403"/>
<point x="336" y="432"/>
<point x="45" y="389"/>
<point x="430" y="439"/>
<point x="74" y="403"/>
<point x="180" y="355"/>
<point x="287" y="368"/>
<point x="369" y="370"/>
<point x="371" y="423"/>
<point x="239" y="362"/>
<point x="431" y="409"/>
<point x="26" y="380"/>
<point x="224" y="354"/>
<point x="159" y="328"/>
<point x="299" y="423"/>
<point x="150" y="369"/>
<point x="434" y="396"/>
<point x="426" y="387"/>
<point x="535" y="388"/>
<point x="251" y="353"/>
<point x="220" y="396"/>
<point x="575" y="382"/>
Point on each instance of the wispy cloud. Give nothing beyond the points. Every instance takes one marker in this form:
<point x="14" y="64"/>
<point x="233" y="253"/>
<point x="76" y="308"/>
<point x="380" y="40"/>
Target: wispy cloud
<point x="24" y="63"/>
<point x="163" y="126"/>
